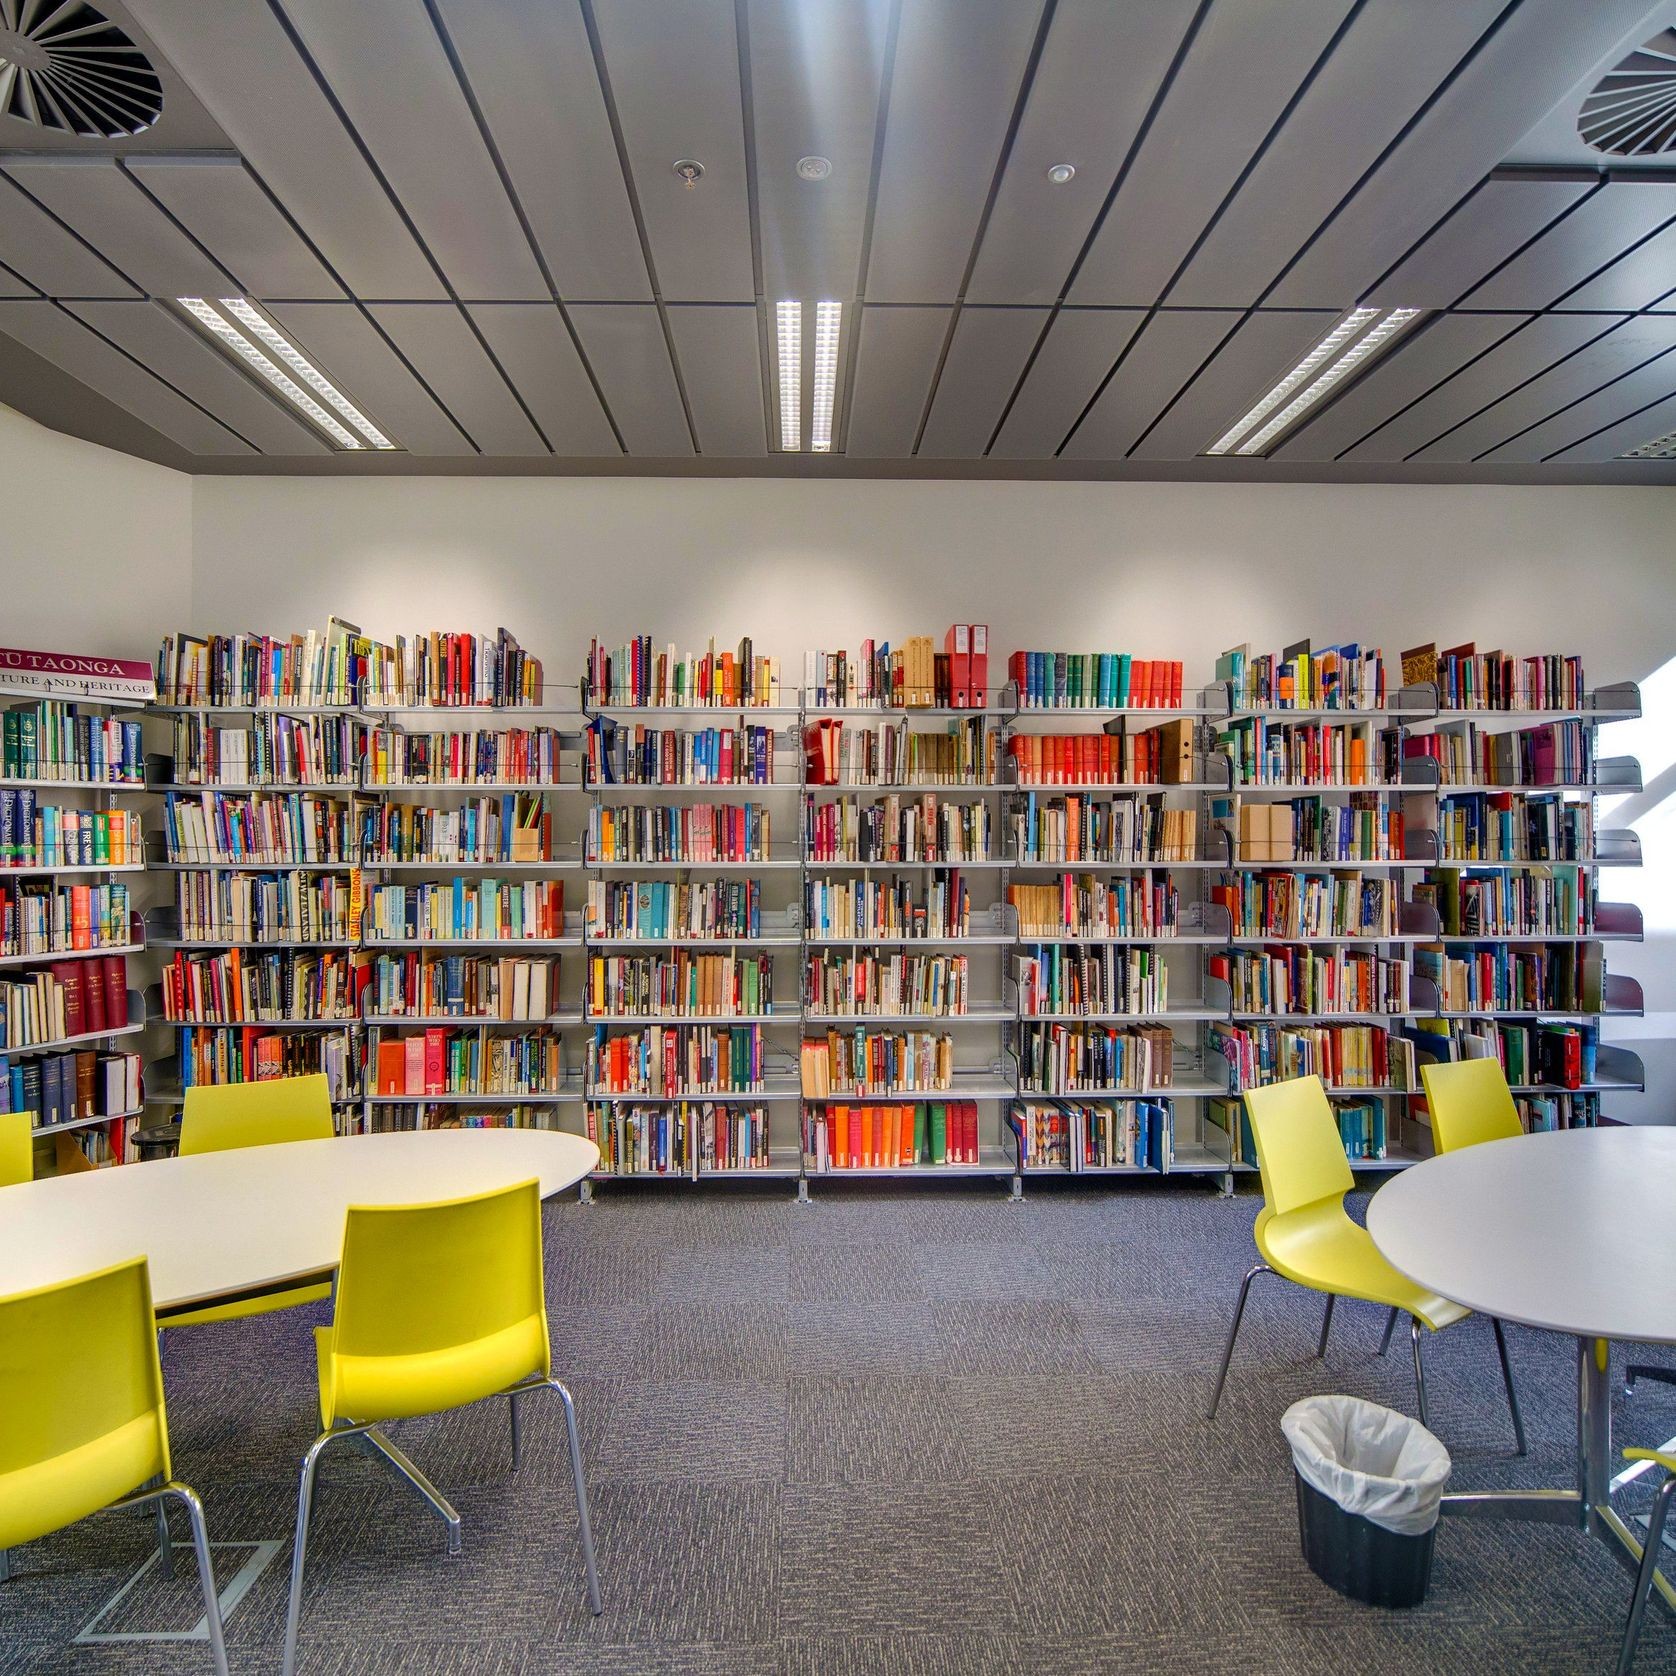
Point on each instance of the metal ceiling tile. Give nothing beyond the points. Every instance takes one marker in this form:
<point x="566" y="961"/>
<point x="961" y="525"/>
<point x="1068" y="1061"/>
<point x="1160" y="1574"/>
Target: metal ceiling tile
<point x="987" y="354"/>
<point x="719" y="350"/>
<point x="247" y="71"/>
<point x="44" y="255"/>
<point x="340" y="340"/>
<point x="625" y="346"/>
<point x="1377" y="77"/>
<point x="532" y="73"/>
<point x="1521" y="355"/>
<point x="816" y="67"/>
<point x="895" y="361"/>
<point x="87" y="357"/>
<point x="1526" y="67"/>
<point x="1495" y="220"/>
<point x="1418" y="361"/>
<point x="93" y="198"/>
<point x="1620" y="214"/>
<point x="179" y="353"/>
<point x="219" y="203"/>
<point x="383" y="61"/>
<point x="959" y="66"/>
<point x="1163" y="358"/>
<point x="1646" y="275"/>
<point x="12" y="286"/>
<point x="1632" y="431"/>
<point x="530" y="341"/>
<point x="1648" y="380"/>
<point x="674" y="77"/>
<point x="1232" y="86"/>
<point x="1252" y="362"/>
<point x="1078" y="351"/>
<point x="1100" y="69"/>
<point x="441" y="347"/>
<point x="1620" y="351"/>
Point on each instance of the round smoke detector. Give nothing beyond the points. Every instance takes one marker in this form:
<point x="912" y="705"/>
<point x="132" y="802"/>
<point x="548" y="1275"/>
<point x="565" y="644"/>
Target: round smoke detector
<point x="1632" y="110"/>
<point x="70" y="69"/>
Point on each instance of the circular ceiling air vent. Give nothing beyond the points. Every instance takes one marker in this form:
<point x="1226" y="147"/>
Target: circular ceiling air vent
<point x="69" y="68"/>
<point x="1632" y="111"/>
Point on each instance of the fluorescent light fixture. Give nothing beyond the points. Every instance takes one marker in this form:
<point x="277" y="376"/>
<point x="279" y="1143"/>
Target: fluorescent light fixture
<point x="221" y="327"/>
<point x="1339" y="353"/>
<point x="827" y="318"/>
<point x="1660" y="448"/>
<point x="789" y="317"/>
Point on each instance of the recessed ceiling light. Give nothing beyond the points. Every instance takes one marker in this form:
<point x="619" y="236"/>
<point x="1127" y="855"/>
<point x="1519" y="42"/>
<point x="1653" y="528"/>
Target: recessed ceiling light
<point x="1660" y="448"/>
<point x="222" y="328"/>
<point x="1062" y="172"/>
<point x="814" y="168"/>
<point x="1340" y="352"/>
<point x="789" y="319"/>
<point x="827" y="318"/>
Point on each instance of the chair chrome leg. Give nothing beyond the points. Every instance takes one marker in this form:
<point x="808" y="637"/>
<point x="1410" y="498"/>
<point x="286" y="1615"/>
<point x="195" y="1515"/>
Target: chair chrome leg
<point x="5" y="1565"/>
<point x="1419" y="1371"/>
<point x="1653" y="1542"/>
<point x="1390" y="1327"/>
<point x="1507" y="1380"/>
<point x="165" y="1549"/>
<point x="206" y="1572"/>
<point x="1326" y="1327"/>
<point x="516" y="1421"/>
<point x="299" y="1547"/>
<point x="405" y="1467"/>
<point x="1233" y="1333"/>
<point x="584" y="1525"/>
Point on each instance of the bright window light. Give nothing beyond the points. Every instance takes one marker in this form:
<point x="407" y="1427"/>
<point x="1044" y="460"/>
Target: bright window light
<point x="790" y="321"/>
<point x="1338" y="354"/>
<point x="223" y="329"/>
<point x="827" y="318"/>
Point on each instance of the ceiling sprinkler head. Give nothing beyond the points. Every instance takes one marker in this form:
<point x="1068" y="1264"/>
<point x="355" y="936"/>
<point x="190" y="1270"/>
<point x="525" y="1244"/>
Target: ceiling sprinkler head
<point x="813" y="168"/>
<point x="689" y="169"/>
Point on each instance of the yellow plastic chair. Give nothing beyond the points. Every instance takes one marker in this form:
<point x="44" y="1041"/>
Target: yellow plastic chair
<point x="1305" y="1235"/>
<point x="1650" y="1550"/>
<point x="221" y="1117"/>
<point x="17" y="1148"/>
<point x="85" y="1428"/>
<point x="1470" y="1103"/>
<point x="438" y="1306"/>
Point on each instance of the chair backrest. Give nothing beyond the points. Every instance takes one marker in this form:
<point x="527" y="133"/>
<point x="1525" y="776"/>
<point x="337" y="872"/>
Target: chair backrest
<point x="420" y="1278"/>
<point x="17" y="1149"/>
<point x="79" y="1382"/>
<point x="218" y="1117"/>
<point x="1300" y="1152"/>
<point x="1469" y="1102"/>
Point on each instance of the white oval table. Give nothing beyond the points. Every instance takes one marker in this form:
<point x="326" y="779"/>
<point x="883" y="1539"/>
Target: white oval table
<point x="221" y="1226"/>
<point x="1571" y="1231"/>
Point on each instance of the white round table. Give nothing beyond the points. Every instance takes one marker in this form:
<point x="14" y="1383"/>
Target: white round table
<point x="225" y="1225"/>
<point x="1573" y="1232"/>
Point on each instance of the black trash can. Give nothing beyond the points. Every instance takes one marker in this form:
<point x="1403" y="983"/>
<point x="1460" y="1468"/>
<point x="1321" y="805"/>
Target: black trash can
<point x="1370" y="1485"/>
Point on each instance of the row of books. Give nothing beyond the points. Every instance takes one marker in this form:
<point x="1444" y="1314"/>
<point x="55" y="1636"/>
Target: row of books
<point x="1076" y="1135"/>
<point x="207" y="1055"/>
<point x="1364" y="828"/>
<point x="1531" y="902"/>
<point x="59" y="1088"/>
<point x="1562" y="978"/>
<point x="1467" y="679"/>
<point x="268" y="750"/>
<point x="1342" y="1055"/>
<point x="1155" y="756"/>
<point x="635" y="675"/>
<point x="1268" y="753"/>
<point x="680" y="984"/>
<point x="68" y="999"/>
<point x="1113" y="978"/>
<point x="1095" y="1058"/>
<point x="1362" y="1126"/>
<point x="1094" y="681"/>
<point x="1089" y="829"/>
<point x="238" y="986"/>
<point x="1514" y="826"/>
<point x="256" y="828"/>
<point x="911" y="675"/>
<point x="1095" y="905"/>
<point x="636" y="755"/>
<point x="888" y="909"/>
<point x="510" y="827"/>
<point x="900" y="828"/>
<point x="840" y="753"/>
<point x="1346" y="677"/>
<point x="1550" y="754"/>
<point x="877" y="985"/>
<point x="476" y="909"/>
<point x="666" y="909"/>
<point x="1285" y="905"/>
<point x="871" y="1062"/>
<point x="661" y="1061"/>
<point x="900" y="1135"/>
<point x="51" y="739"/>
<point x="34" y="834"/>
<point x="443" y="1060"/>
<point x="63" y="919"/>
<point x="476" y="756"/>
<point x="677" y="1139"/>
<point x="1564" y="1055"/>
<point x="1288" y="978"/>
<point x="695" y="833"/>
<point x="282" y="907"/>
<point x="419" y="984"/>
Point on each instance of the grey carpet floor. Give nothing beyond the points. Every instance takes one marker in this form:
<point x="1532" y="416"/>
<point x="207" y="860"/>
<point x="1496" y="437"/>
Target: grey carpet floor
<point x="891" y="1433"/>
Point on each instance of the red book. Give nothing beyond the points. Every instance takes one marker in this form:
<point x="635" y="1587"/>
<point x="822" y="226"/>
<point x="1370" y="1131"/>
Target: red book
<point x="68" y="976"/>
<point x="436" y="1061"/>
<point x="392" y="1065"/>
<point x="977" y="680"/>
<point x="958" y="644"/>
<point x="116" y="991"/>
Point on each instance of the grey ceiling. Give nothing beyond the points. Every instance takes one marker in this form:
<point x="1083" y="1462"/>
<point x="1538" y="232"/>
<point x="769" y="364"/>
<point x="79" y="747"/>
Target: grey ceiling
<point x="465" y="212"/>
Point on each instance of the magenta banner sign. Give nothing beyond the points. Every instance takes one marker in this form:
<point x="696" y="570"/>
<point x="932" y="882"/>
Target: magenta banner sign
<point x="75" y="675"/>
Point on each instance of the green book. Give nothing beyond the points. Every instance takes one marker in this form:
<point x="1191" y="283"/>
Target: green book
<point x="8" y="745"/>
<point x="919" y="1132"/>
<point x="1123" y="672"/>
<point x="939" y="1134"/>
<point x="27" y="746"/>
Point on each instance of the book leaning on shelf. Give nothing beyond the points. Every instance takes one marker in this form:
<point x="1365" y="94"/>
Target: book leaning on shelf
<point x="897" y="828"/>
<point x="1095" y="1058"/>
<point x="69" y="999"/>
<point x="894" y="910"/>
<point x="440" y="1060"/>
<point x="420" y="985"/>
<point x="278" y="907"/>
<point x="1065" y="978"/>
<point x="680" y="985"/>
<point x="510" y="827"/>
<point x="872" y="1062"/>
<point x="700" y="910"/>
<point x="458" y="909"/>
<point x="631" y="754"/>
<point x="465" y="757"/>
<point x="898" y="1135"/>
<point x="674" y="1062"/>
<point x="699" y="833"/>
<point x="1467" y="679"/>
<point x="258" y="829"/>
<point x="270" y="987"/>
<point x="36" y="834"/>
<point x="59" y="1088"/>
<point x="50" y="739"/>
<point x="878" y="985"/>
<point x="211" y="1054"/>
<point x="276" y="750"/>
<point x="1075" y="828"/>
<point x="63" y="919"/>
<point x="1347" y="677"/>
<point x="840" y="753"/>
<point x="1094" y="681"/>
<point x="634" y="676"/>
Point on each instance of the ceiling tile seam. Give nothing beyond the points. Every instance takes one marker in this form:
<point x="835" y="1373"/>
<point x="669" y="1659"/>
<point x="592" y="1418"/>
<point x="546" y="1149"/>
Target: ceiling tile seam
<point x="1021" y="98"/>
<point x="1431" y="101"/>
<point x="1623" y="255"/>
<point x="1587" y="395"/>
<point x="486" y="134"/>
<point x="1154" y="105"/>
<point x="881" y="118"/>
<point x="614" y="117"/>
<point x="179" y="226"/>
<point x="151" y="372"/>
<point x="14" y="274"/>
<point x="753" y="211"/>
<point x="64" y="226"/>
<point x="1611" y="424"/>
<point x="1541" y="372"/>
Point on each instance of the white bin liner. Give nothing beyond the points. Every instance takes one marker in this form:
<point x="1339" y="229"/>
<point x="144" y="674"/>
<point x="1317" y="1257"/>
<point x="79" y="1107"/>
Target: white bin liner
<point x="1370" y="1460"/>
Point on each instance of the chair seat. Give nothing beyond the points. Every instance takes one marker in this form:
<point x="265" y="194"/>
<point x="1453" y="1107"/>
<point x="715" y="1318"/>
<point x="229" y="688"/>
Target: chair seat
<point x="1320" y="1247"/>
<point x="398" y="1387"/>
<point x="265" y="1305"/>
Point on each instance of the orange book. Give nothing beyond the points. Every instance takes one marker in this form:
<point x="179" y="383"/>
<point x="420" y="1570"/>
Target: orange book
<point x="866" y="1148"/>
<point x="1358" y="760"/>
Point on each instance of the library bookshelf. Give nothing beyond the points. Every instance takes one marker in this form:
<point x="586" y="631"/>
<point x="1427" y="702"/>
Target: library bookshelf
<point x="764" y="964"/>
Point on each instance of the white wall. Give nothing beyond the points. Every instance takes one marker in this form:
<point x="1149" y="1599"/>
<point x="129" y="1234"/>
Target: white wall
<point x="95" y="547"/>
